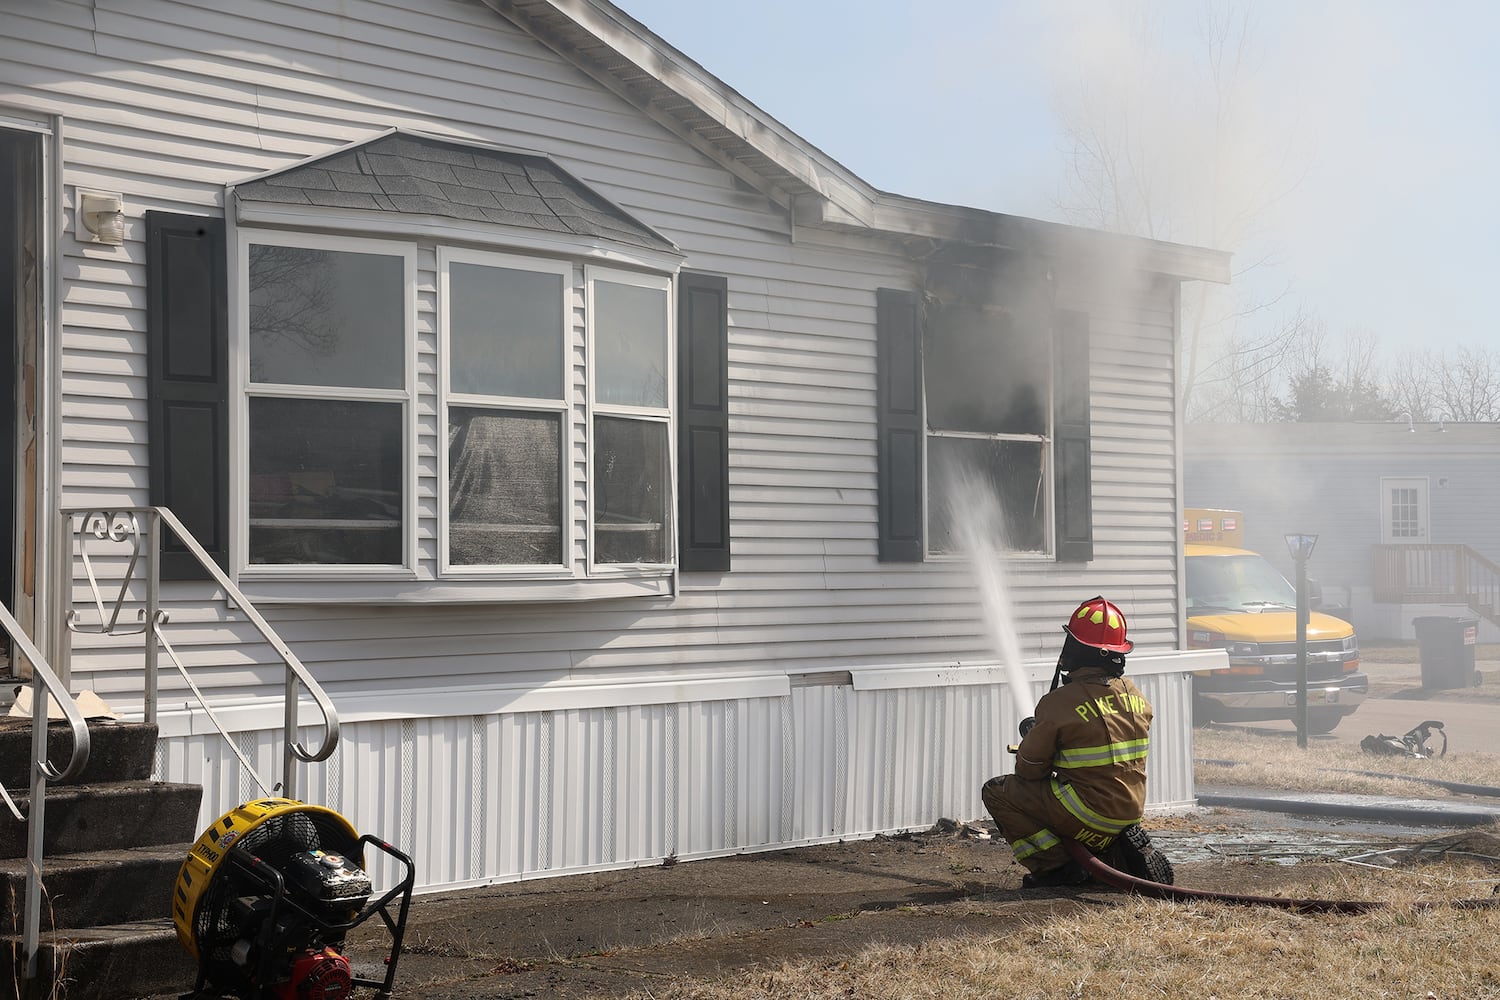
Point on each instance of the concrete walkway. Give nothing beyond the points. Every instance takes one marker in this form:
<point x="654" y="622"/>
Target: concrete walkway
<point x="1455" y="811"/>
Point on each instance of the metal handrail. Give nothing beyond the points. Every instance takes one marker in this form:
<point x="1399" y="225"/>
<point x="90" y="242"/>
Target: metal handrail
<point x="161" y="617"/>
<point x="119" y="523"/>
<point x="46" y="686"/>
<point x="45" y="682"/>
<point x="122" y="524"/>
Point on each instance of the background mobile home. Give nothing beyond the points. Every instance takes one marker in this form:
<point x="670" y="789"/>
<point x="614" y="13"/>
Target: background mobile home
<point x="583" y="431"/>
<point x="1401" y="511"/>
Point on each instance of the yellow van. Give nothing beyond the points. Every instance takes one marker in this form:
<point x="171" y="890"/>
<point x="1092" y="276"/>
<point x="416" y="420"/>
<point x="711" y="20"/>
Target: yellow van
<point x="1237" y="601"/>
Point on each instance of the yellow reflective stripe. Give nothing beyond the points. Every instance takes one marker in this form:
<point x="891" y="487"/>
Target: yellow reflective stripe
<point x="1073" y="804"/>
<point x="1113" y="753"/>
<point x="1039" y="841"/>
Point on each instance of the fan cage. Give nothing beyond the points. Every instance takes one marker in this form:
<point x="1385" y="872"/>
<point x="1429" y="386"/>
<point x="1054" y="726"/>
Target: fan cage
<point x="275" y="841"/>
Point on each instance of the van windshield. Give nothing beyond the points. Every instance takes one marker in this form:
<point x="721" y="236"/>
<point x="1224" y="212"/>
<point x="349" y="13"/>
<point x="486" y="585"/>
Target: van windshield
<point x="1237" y="583"/>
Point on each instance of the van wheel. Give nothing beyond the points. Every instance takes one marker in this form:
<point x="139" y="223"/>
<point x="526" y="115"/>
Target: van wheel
<point x="1322" y="723"/>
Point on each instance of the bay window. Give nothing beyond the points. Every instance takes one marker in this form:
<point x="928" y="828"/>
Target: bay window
<point x="630" y="480"/>
<point x="505" y="343"/>
<point x="327" y="395"/>
<point x="361" y="393"/>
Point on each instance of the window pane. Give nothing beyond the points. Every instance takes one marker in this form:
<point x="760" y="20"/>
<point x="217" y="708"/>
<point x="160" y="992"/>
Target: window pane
<point x="630" y="491"/>
<point x="325" y="482"/>
<point x="504" y="476"/>
<point x="1405" y="513"/>
<point x="327" y="317"/>
<point x="1014" y="473"/>
<point x="505" y="331"/>
<point x="986" y="370"/>
<point x="630" y="339"/>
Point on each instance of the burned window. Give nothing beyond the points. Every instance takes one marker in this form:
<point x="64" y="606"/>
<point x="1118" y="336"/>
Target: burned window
<point x="988" y="376"/>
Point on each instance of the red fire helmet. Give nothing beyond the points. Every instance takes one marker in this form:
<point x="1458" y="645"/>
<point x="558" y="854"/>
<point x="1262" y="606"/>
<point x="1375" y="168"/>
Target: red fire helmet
<point x="1100" y="624"/>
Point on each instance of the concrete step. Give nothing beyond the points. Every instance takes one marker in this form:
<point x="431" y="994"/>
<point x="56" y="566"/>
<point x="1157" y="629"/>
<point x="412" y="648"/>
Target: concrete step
<point x="92" y="817"/>
<point x="118" y="751"/>
<point x="96" y="888"/>
<point x="118" y="962"/>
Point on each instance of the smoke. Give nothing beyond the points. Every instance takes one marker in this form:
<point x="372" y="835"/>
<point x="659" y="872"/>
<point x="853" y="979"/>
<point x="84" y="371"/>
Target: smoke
<point x="978" y="526"/>
<point x="1328" y="145"/>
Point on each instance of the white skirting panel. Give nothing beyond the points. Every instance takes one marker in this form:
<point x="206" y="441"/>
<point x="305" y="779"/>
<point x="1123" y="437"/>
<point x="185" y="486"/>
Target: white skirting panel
<point x="499" y="797"/>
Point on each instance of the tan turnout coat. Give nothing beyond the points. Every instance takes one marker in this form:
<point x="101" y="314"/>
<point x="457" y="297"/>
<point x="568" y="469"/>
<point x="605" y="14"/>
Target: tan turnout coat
<point x="1080" y="773"/>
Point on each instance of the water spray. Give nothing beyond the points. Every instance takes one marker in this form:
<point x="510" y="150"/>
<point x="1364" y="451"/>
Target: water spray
<point x="979" y="527"/>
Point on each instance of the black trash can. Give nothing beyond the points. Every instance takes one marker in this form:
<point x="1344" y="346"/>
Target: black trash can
<point x="1447" y="646"/>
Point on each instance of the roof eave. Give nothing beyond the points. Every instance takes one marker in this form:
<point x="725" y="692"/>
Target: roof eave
<point x="673" y="89"/>
<point x="639" y="66"/>
<point x="902" y="217"/>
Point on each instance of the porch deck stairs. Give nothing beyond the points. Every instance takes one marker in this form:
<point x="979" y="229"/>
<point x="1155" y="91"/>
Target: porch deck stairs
<point x="1438" y="574"/>
<point x="113" y="843"/>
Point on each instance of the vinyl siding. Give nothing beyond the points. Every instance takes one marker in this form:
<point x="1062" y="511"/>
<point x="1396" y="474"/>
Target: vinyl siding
<point x="168" y="104"/>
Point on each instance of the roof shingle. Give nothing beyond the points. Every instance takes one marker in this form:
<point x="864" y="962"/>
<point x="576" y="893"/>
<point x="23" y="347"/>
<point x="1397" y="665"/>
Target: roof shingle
<point x="402" y="172"/>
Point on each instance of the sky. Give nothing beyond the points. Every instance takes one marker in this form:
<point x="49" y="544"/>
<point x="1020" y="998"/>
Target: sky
<point x="1348" y="156"/>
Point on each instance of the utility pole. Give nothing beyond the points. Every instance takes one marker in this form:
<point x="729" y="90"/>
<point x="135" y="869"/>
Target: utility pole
<point x="1301" y="548"/>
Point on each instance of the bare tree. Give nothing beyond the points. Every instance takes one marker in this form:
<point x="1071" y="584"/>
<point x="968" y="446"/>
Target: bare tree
<point x="1467" y="386"/>
<point x="1463" y="385"/>
<point x="1244" y="383"/>
<point x="1409" y="385"/>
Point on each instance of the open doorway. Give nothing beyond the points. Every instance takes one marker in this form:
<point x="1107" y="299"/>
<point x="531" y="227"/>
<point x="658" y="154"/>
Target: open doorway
<point x="20" y="316"/>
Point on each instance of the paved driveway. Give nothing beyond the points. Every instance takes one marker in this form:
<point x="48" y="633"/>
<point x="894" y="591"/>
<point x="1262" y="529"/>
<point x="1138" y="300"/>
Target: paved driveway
<point x="1398" y="703"/>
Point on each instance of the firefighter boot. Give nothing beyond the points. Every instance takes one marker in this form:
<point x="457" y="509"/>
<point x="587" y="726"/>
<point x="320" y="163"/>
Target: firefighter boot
<point x="1133" y="853"/>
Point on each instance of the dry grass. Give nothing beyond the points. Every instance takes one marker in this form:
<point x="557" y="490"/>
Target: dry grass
<point x="1127" y="948"/>
<point x="1275" y="762"/>
<point x="1410" y="652"/>
<point x="1143" y="948"/>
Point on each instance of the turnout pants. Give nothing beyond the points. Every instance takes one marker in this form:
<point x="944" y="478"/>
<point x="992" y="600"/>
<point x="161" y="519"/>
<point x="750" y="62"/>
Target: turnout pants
<point x="1035" y="822"/>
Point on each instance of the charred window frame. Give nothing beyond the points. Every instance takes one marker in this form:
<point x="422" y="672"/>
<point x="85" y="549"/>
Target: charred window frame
<point x="988" y="390"/>
<point x="980" y="371"/>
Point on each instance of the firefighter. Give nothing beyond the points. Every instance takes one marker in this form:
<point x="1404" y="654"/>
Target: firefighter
<point x="1080" y="769"/>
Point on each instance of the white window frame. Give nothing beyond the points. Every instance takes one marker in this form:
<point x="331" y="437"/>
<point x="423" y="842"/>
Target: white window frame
<point x="666" y="285"/>
<point x="244" y="390"/>
<point x="1419" y="484"/>
<point x="564" y="407"/>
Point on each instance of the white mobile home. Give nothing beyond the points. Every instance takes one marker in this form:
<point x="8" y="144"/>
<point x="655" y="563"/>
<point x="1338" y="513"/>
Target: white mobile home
<point x="583" y="431"/>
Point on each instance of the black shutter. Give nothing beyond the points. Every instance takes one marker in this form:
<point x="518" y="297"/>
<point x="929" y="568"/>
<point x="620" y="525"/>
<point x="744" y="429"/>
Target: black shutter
<point x="703" y="422"/>
<point x="187" y="343"/>
<point x="1070" y="429"/>
<point x="898" y="393"/>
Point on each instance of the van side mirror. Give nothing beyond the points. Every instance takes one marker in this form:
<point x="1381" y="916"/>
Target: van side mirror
<point x="1314" y="595"/>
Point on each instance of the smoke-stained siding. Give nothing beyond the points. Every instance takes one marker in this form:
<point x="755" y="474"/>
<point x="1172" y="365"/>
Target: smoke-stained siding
<point x="167" y="102"/>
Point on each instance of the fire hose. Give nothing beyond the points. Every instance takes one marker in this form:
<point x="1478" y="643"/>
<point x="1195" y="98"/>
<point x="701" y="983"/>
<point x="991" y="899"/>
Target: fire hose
<point x="1179" y="894"/>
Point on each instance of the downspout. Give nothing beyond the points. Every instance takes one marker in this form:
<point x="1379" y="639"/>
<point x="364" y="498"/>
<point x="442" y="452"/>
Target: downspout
<point x="1178" y="408"/>
<point x="48" y="618"/>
